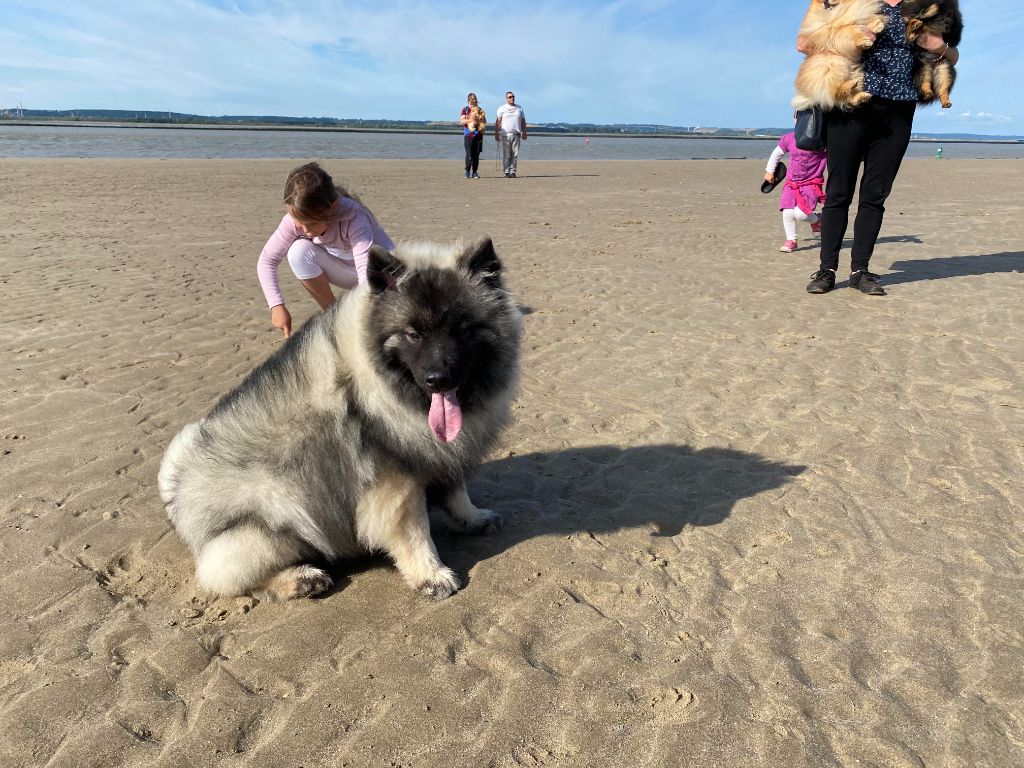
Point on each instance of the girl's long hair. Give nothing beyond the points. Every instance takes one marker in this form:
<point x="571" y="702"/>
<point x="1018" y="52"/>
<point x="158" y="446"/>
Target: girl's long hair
<point x="310" y="193"/>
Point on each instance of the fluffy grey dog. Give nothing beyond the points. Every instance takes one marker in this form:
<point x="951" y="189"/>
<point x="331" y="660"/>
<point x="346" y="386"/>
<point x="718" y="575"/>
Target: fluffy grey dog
<point x="331" y="446"/>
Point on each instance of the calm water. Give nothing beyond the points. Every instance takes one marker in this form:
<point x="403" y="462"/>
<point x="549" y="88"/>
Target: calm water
<point x="80" y="141"/>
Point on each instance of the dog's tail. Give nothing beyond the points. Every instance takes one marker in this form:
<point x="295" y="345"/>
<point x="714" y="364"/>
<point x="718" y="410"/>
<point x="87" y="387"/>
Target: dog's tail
<point x="801" y="102"/>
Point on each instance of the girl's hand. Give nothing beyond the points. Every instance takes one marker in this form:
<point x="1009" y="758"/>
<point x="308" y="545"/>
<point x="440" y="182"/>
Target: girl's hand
<point x="770" y="178"/>
<point x="281" y="318"/>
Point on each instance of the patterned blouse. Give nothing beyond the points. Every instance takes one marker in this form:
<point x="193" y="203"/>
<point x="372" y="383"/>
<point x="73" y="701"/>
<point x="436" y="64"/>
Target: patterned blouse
<point x="889" y="62"/>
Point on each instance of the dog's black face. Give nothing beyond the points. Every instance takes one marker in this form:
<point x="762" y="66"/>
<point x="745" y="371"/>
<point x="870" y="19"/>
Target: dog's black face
<point x="442" y="333"/>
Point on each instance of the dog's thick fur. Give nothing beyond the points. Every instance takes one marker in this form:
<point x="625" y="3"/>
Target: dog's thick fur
<point x="934" y="78"/>
<point x="331" y="446"/>
<point x="834" y="40"/>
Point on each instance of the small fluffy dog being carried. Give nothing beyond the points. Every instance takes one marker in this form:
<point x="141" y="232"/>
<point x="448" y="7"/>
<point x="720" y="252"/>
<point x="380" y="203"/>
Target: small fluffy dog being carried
<point x="333" y="445"/>
<point x="833" y="35"/>
<point x="934" y="75"/>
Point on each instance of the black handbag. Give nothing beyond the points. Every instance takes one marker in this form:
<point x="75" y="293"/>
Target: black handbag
<point x="810" y="129"/>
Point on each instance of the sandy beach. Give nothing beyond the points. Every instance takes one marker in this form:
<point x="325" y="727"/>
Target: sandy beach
<point x="745" y="526"/>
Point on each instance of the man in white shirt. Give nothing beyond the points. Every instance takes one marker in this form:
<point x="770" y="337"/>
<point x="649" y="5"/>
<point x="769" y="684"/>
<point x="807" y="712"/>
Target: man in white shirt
<point x="509" y="128"/>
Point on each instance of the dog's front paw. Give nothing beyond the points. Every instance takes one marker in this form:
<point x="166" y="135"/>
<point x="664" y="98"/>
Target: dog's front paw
<point x="877" y="24"/>
<point x="471" y="520"/>
<point x="490" y="522"/>
<point x="484" y="522"/>
<point x="443" y="583"/>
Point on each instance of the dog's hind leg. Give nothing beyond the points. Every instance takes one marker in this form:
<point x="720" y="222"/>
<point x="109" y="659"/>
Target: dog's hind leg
<point x="460" y="514"/>
<point x="923" y="80"/>
<point x="249" y="557"/>
<point x="943" y="77"/>
<point x="299" y="581"/>
<point x="851" y="93"/>
<point x="392" y="515"/>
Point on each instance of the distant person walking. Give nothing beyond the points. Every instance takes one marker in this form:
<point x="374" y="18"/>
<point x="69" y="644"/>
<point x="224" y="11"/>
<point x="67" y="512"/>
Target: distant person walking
<point x="509" y="128"/>
<point x="474" y="122"/>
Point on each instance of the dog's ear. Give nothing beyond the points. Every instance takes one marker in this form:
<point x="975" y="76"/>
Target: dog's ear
<point x="483" y="263"/>
<point x="383" y="269"/>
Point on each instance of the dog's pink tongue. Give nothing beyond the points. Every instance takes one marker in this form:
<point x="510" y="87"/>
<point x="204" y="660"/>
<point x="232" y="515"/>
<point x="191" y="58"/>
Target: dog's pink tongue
<point x="445" y="417"/>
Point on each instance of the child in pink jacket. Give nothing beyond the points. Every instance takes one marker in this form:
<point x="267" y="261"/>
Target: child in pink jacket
<point x="325" y="235"/>
<point x="803" y="188"/>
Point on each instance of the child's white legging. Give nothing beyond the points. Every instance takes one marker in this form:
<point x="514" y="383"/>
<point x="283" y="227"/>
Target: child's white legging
<point x="790" y="216"/>
<point x="309" y="260"/>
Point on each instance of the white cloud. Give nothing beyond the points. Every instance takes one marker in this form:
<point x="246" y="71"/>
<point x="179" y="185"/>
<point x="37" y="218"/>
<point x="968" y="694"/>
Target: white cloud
<point x="985" y="117"/>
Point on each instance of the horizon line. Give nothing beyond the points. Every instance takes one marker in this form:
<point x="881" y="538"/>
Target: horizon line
<point x="8" y="117"/>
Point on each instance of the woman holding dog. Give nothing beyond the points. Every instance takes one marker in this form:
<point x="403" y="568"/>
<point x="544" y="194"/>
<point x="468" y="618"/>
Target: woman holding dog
<point x="876" y="135"/>
<point x="473" y="120"/>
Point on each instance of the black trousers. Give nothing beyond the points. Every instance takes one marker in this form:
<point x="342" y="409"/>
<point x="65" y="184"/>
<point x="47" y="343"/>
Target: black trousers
<point x="875" y="135"/>
<point x="474" y="144"/>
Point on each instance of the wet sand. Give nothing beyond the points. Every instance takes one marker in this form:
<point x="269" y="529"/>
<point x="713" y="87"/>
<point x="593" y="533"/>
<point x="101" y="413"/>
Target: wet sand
<point x="744" y="525"/>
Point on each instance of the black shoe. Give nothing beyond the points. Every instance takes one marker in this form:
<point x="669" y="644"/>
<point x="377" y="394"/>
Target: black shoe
<point x="467" y="174"/>
<point x="866" y="282"/>
<point x="512" y="175"/>
<point x="507" y="174"/>
<point x="822" y="281"/>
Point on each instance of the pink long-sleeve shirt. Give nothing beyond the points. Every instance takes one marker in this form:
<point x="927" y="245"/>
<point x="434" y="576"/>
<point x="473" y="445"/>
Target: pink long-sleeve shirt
<point x="350" y="235"/>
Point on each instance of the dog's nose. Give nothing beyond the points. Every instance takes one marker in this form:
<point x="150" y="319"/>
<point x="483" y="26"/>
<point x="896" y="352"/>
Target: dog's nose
<point x="438" y="381"/>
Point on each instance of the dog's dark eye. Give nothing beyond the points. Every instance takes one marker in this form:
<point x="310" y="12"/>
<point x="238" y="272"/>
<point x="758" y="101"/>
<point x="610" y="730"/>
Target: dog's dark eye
<point x="411" y="335"/>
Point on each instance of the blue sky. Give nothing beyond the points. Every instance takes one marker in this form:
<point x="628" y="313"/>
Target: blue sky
<point x="727" y="63"/>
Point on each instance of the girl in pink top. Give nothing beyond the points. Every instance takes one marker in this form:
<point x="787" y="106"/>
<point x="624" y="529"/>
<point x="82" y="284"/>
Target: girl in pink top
<point x="325" y="235"/>
<point x="803" y="188"/>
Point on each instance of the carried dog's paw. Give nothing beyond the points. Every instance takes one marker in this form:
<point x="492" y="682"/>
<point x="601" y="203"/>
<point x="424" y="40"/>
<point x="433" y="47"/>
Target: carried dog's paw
<point x="876" y="25"/>
<point x="444" y="583"/>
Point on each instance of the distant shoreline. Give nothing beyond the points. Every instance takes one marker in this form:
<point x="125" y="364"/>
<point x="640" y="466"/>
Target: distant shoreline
<point x="439" y="131"/>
